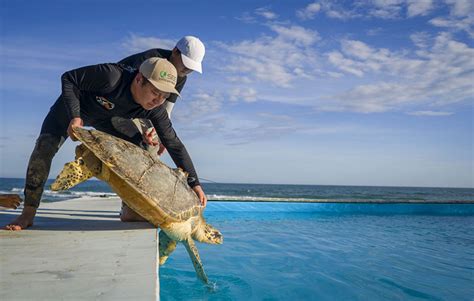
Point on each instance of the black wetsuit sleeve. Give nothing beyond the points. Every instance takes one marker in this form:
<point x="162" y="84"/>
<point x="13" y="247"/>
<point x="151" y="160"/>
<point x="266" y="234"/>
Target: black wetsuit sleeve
<point x="97" y="78"/>
<point x="176" y="149"/>
<point x="135" y="60"/>
<point x="179" y="86"/>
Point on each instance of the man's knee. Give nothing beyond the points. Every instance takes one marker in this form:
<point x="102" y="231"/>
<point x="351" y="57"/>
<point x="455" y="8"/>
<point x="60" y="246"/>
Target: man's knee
<point x="127" y="214"/>
<point x="48" y="145"/>
<point x="39" y="165"/>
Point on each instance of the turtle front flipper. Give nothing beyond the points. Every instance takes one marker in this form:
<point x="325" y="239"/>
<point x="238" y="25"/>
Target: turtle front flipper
<point x="193" y="253"/>
<point x="167" y="246"/>
<point x="207" y="234"/>
<point x="86" y="166"/>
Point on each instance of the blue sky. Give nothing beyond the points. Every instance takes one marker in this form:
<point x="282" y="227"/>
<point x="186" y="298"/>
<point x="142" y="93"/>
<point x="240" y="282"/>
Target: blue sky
<point x="294" y="92"/>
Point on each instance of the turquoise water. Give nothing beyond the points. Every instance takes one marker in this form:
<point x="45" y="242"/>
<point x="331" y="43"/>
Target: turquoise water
<point x="277" y="251"/>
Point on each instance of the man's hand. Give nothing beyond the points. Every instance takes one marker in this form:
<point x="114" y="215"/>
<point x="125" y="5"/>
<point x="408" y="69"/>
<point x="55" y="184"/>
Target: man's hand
<point x="150" y="137"/>
<point x="75" y="122"/>
<point x="200" y="193"/>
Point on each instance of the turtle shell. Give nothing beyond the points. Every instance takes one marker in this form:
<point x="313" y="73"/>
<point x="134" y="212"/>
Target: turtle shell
<point x="157" y="192"/>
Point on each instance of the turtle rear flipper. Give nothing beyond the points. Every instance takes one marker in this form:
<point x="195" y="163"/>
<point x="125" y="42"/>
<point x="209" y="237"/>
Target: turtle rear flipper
<point x="166" y="245"/>
<point x="193" y="253"/>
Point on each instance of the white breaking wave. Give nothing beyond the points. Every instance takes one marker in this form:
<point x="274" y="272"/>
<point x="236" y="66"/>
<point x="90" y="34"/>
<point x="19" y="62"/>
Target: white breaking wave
<point x="93" y="194"/>
<point x="66" y="194"/>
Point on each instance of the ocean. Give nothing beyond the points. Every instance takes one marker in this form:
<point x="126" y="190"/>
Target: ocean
<point x="272" y="192"/>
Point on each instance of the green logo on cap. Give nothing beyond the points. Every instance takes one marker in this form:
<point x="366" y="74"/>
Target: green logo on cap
<point x="163" y="74"/>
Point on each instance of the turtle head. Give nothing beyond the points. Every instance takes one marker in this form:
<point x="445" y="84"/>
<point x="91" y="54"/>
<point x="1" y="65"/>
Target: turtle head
<point x="84" y="167"/>
<point x="72" y="174"/>
<point x="208" y="234"/>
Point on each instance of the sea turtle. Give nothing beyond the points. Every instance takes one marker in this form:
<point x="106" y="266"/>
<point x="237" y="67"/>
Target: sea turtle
<point x="157" y="192"/>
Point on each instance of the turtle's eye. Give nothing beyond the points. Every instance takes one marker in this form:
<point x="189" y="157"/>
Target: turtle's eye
<point x="81" y="161"/>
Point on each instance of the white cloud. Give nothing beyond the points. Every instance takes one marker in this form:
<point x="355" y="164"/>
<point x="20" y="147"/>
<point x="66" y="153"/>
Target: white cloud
<point x="343" y="64"/>
<point x="275" y="117"/>
<point x="461" y="17"/>
<point x="391" y="9"/>
<point x="439" y="74"/>
<point x="357" y="49"/>
<point x="374" y="31"/>
<point x="280" y="59"/>
<point x="239" y="79"/>
<point x="245" y="94"/>
<point x="455" y="24"/>
<point x="439" y="71"/>
<point x="246" y="17"/>
<point x="419" y="7"/>
<point x="263" y="69"/>
<point x="296" y="34"/>
<point x="386" y="9"/>
<point x="370" y="98"/>
<point x="359" y="58"/>
<point x="266" y="13"/>
<point x="420" y="39"/>
<point x="204" y="126"/>
<point x="334" y="10"/>
<point x="135" y="43"/>
<point x="461" y="8"/>
<point x="251" y="17"/>
<point x="309" y="11"/>
<point x="200" y="105"/>
<point x="430" y="113"/>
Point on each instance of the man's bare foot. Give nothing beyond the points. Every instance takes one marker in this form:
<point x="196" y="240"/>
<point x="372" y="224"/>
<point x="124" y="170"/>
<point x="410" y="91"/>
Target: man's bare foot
<point x="128" y="215"/>
<point x="24" y="221"/>
<point x="10" y="200"/>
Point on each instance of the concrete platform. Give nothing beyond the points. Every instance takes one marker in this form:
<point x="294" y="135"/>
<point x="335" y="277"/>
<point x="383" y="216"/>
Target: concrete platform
<point x="78" y="250"/>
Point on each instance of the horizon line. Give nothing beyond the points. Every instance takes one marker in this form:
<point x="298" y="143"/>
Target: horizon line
<point x="346" y="185"/>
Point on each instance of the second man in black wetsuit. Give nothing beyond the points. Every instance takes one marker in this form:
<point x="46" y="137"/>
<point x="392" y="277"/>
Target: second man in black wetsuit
<point x="186" y="57"/>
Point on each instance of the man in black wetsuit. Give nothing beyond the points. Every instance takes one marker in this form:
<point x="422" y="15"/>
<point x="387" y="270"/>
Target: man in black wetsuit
<point x="186" y="57"/>
<point x="93" y="96"/>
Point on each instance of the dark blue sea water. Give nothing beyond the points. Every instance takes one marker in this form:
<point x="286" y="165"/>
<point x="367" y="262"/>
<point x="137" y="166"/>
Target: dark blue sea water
<point x="273" y="193"/>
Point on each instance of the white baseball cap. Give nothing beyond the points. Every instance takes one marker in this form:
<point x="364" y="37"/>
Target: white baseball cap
<point x="192" y="52"/>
